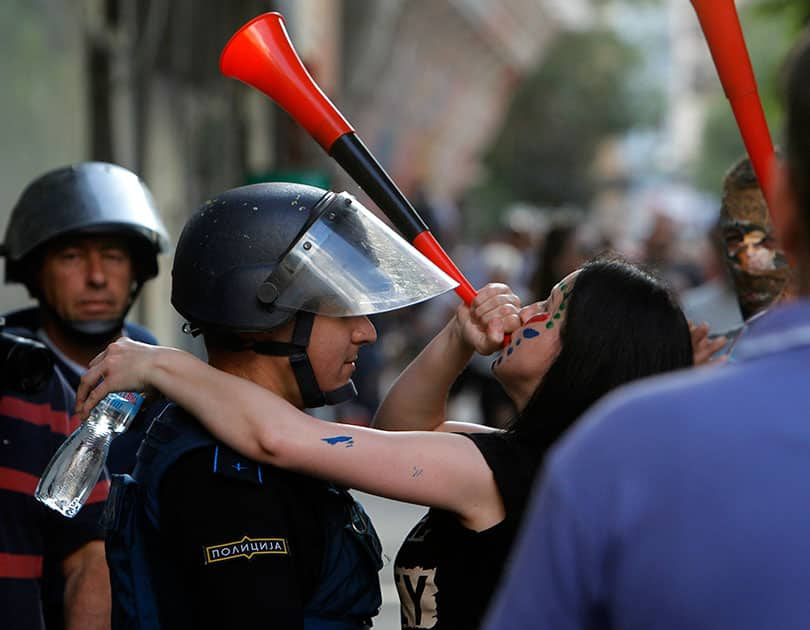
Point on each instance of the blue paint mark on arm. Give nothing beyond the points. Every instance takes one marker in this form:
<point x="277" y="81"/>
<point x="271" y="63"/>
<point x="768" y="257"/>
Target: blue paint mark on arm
<point x="346" y="440"/>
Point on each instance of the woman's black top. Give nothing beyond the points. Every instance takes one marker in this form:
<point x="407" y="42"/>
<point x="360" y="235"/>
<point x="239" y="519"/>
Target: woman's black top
<point x="445" y="574"/>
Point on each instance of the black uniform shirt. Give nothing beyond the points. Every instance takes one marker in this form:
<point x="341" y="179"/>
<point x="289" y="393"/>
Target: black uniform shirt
<point x="244" y="547"/>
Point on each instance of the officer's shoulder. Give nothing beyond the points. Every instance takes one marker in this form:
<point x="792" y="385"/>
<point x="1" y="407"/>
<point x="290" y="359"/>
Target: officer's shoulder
<point x="136" y="332"/>
<point x="229" y="464"/>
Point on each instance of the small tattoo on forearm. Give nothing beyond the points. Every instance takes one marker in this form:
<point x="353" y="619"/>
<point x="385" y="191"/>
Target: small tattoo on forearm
<point x="417" y="472"/>
<point x="347" y="441"/>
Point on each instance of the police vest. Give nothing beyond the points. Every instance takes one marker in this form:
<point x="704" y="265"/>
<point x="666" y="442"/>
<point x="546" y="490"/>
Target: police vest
<point x="132" y="516"/>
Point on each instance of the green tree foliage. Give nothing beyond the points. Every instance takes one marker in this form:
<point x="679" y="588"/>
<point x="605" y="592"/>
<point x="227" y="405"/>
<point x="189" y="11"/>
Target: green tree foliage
<point x="797" y="10"/>
<point x="578" y="96"/>
<point x="770" y="28"/>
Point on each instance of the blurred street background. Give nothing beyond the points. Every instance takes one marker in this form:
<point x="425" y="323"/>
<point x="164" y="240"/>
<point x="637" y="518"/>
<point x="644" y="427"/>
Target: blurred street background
<point x="530" y="134"/>
<point x="393" y="521"/>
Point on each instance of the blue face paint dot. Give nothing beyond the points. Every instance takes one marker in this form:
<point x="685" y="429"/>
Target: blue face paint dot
<point x="531" y="332"/>
<point x="517" y="343"/>
<point x="509" y="351"/>
<point x="498" y="362"/>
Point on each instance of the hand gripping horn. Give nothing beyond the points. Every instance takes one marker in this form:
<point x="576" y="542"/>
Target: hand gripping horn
<point x="262" y="55"/>
<point x="721" y="27"/>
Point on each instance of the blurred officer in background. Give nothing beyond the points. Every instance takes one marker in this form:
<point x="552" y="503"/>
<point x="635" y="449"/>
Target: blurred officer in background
<point x="83" y="239"/>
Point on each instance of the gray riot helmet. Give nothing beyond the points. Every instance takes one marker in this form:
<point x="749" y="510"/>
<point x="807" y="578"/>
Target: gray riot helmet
<point x="83" y="199"/>
<point x="255" y="257"/>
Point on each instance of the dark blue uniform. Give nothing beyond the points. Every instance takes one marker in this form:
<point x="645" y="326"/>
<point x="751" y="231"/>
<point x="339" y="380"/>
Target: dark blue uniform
<point x="205" y="538"/>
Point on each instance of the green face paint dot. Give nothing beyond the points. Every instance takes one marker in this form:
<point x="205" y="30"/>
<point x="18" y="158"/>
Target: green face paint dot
<point x="550" y="325"/>
<point x="556" y="316"/>
<point x="562" y="306"/>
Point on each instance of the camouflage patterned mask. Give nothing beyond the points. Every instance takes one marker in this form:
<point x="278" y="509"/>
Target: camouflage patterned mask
<point x="758" y="266"/>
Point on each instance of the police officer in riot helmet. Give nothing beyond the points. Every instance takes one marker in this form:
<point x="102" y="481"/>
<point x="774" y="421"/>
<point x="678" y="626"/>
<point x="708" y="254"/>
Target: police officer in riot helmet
<point x="83" y="239"/>
<point x="279" y="280"/>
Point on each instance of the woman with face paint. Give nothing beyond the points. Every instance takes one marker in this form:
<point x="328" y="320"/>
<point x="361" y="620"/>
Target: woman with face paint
<point x="603" y="325"/>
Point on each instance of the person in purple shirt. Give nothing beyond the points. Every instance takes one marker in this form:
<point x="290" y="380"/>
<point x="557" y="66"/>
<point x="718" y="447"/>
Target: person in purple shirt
<point x="682" y="502"/>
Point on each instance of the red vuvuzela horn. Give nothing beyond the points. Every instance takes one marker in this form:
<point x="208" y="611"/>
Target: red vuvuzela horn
<point x="262" y="55"/>
<point x="721" y="27"/>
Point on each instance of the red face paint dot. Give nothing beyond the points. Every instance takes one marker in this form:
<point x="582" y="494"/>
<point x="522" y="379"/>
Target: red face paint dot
<point x="538" y="318"/>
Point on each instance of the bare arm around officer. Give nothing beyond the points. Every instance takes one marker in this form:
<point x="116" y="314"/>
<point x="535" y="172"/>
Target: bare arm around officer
<point x="430" y="468"/>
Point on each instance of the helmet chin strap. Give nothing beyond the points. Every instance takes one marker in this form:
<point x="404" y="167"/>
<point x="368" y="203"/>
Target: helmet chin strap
<point x="95" y="332"/>
<point x="296" y="350"/>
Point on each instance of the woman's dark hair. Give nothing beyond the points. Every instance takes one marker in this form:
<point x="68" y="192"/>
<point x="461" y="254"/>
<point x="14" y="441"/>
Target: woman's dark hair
<point x="621" y="324"/>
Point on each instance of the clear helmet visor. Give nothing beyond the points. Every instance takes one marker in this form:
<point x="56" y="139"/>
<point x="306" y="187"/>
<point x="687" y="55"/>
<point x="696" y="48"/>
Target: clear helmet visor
<point x="348" y="262"/>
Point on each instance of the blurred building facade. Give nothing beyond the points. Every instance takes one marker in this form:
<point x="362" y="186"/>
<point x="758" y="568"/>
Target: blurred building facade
<point x="434" y="87"/>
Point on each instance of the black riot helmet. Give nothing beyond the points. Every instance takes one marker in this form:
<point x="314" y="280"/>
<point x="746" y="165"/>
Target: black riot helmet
<point x="257" y="256"/>
<point x="85" y="198"/>
<point x="78" y="200"/>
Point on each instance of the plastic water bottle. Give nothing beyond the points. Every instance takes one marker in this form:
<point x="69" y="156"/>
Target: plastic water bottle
<point x="76" y="466"/>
